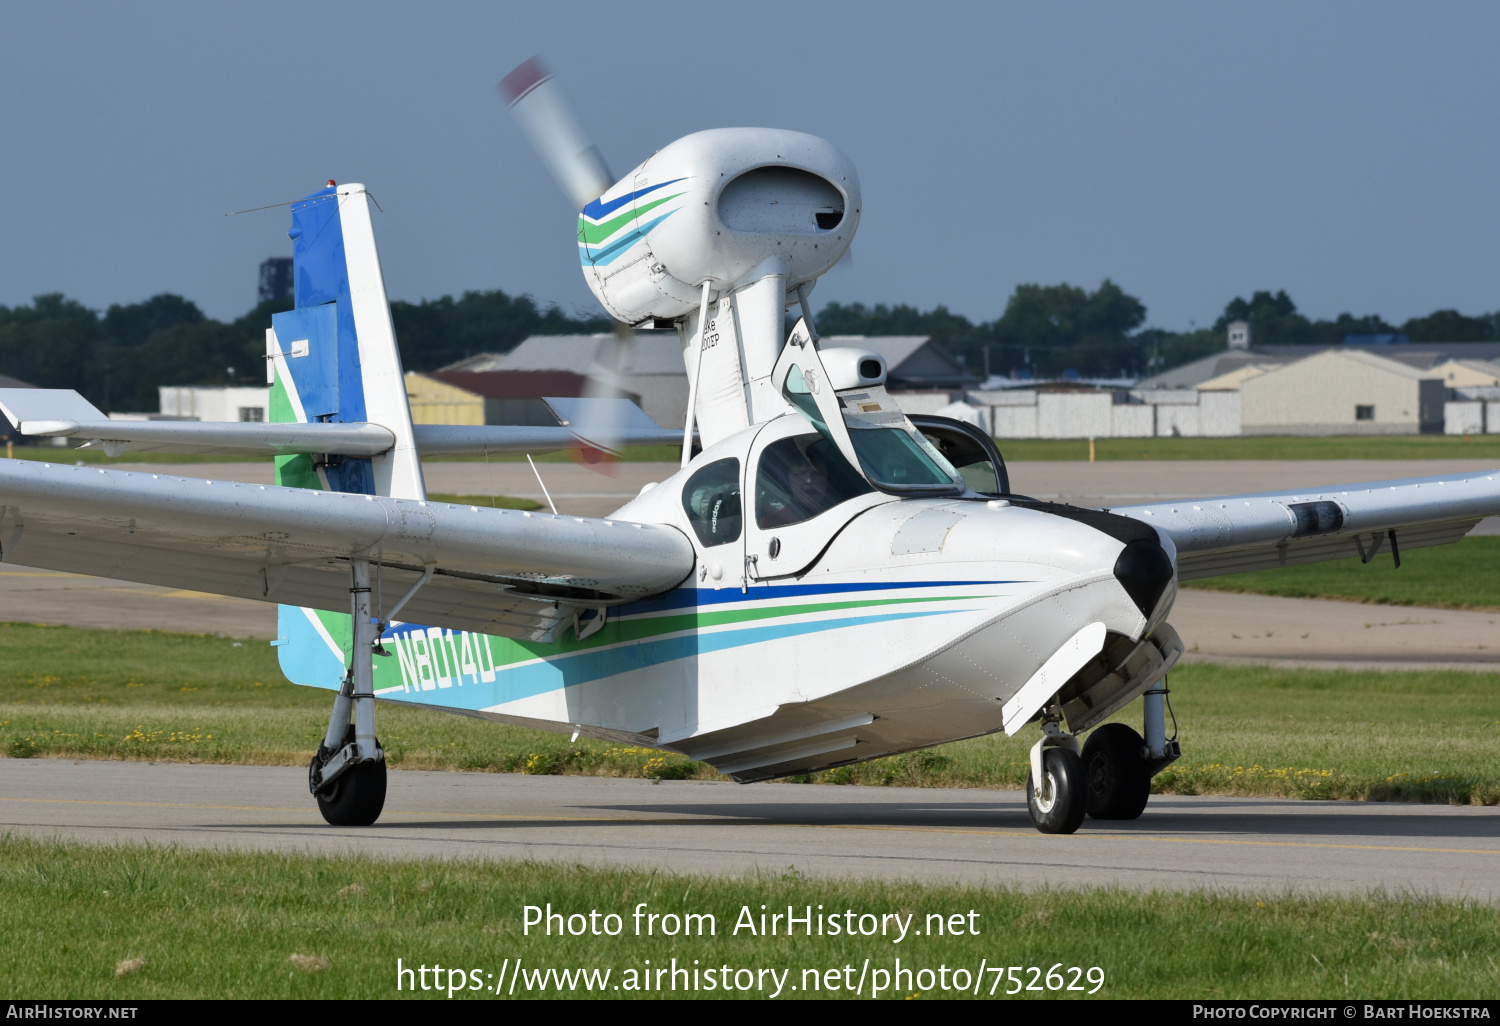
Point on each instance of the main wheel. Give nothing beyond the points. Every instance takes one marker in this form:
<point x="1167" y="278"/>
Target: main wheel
<point x="1060" y="807"/>
<point x="357" y="796"/>
<point x="1119" y="780"/>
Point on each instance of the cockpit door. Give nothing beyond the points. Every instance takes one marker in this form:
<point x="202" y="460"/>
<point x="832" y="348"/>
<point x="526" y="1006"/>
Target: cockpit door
<point x="800" y="491"/>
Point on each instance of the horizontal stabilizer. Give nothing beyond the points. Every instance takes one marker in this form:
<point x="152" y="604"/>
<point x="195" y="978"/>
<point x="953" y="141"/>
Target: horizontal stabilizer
<point x="32" y="411"/>
<point x="63" y="413"/>
<point x="627" y="424"/>
<point x="615" y="411"/>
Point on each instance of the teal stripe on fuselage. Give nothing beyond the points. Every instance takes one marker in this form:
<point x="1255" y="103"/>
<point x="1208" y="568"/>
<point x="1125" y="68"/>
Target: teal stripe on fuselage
<point x="537" y="678"/>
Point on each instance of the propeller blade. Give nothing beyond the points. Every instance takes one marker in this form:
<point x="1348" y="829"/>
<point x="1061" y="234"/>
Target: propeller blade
<point x="544" y="114"/>
<point x="603" y="428"/>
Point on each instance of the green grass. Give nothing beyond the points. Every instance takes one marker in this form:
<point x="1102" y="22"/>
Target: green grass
<point x="1364" y="447"/>
<point x="499" y="501"/>
<point x="68" y="692"/>
<point x="1464" y="575"/>
<point x="631" y="454"/>
<point x="126" y="923"/>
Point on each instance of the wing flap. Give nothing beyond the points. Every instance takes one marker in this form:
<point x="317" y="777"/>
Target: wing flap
<point x="500" y="571"/>
<point x="1317" y="550"/>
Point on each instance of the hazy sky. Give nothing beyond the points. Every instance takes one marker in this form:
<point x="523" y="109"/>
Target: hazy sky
<point x="1346" y="152"/>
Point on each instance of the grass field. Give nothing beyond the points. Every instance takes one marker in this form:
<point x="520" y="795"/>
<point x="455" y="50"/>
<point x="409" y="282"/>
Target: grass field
<point x="1246" y="730"/>
<point x="128" y="923"/>
<point x="1464" y="575"/>
<point x="500" y="501"/>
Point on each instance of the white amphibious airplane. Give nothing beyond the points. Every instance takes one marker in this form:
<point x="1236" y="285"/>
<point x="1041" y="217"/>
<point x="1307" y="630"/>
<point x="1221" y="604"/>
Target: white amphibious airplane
<point x="826" y="581"/>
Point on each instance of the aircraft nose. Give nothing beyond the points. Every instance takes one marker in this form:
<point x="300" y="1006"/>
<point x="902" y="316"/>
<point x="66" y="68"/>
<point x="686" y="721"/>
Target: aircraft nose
<point x="1144" y="570"/>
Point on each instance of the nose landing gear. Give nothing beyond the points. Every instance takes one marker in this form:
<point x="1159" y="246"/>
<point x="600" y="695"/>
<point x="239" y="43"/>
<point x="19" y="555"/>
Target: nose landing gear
<point x="1056" y="788"/>
<point x="1111" y="779"/>
<point x="1058" y="805"/>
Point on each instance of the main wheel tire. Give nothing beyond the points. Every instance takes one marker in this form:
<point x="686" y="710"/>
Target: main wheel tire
<point x="1063" y="801"/>
<point x="357" y="796"/>
<point x="1119" y="780"/>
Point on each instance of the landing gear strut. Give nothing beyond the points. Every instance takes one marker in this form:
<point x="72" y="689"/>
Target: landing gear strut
<point x="347" y="775"/>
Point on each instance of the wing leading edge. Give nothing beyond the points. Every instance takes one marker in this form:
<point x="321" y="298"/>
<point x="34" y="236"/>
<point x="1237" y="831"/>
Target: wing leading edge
<point x="1232" y="533"/>
<point x="503" y="572"/>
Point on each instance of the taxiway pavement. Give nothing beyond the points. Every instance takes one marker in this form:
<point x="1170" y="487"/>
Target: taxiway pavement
<point x="702" y="827"/>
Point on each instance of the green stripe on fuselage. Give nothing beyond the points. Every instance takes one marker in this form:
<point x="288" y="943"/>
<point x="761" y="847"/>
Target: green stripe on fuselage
<point x="508" y="651"/>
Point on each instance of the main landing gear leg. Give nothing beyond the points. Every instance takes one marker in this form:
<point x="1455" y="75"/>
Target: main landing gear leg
<point x="1119" y="763"/>
<point x="1056" y="791"/>
<point x="347" y="776"/>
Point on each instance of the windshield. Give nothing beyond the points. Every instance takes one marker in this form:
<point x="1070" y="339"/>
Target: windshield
<point x="895" y="459"/>
<point x="801" y="477"/>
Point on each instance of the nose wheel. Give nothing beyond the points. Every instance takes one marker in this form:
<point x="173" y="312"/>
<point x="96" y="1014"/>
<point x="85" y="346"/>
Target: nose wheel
<point x="1058" y="804"/>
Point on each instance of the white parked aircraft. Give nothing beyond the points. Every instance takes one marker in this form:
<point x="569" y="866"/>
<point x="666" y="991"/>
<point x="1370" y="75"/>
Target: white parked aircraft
<point x="827" y="581"/>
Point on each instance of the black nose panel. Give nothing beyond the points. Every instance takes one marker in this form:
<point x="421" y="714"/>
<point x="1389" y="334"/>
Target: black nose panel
<point x="1144" y="570"/>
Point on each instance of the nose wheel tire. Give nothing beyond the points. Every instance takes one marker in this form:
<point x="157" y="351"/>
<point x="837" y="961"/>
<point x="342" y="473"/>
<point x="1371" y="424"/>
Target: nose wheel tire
<point x="1060" y="807"/>
<point x="1118" y="777"/>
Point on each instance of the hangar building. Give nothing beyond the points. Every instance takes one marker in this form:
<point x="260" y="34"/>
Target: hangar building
<point x="1342" y="392"/>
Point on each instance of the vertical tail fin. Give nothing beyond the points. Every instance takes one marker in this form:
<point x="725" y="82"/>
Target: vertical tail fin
<point x="334" y="357"/>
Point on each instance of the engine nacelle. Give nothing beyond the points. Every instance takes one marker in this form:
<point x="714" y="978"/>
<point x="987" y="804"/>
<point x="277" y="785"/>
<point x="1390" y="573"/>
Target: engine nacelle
<point x="728" y="206"/>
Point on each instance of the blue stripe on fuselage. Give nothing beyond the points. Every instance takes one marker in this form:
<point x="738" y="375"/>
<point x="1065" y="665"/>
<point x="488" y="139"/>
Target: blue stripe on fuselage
<point x="598" y="208"/>
<point x="687" y="598"/>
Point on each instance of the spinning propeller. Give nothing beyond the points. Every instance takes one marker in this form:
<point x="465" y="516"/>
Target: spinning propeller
<point x="549" y="123"/>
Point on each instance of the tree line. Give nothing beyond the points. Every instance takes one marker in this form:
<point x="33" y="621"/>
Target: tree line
<point x="1051" y="330"/>
<point x="118" y="358"/>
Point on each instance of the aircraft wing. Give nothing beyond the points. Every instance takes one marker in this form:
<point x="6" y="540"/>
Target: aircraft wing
<point x="1233" y="533"/>
<point x="505" y="572"/>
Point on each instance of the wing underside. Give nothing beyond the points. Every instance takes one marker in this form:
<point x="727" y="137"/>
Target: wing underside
<point x="504" y="572"/>
<point x="1234" y="533"/>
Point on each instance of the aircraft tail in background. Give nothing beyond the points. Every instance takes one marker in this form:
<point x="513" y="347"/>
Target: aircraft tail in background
<point x="333" y="358"/>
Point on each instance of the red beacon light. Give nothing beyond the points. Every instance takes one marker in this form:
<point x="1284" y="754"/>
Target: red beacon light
<point x="332" y="183"/>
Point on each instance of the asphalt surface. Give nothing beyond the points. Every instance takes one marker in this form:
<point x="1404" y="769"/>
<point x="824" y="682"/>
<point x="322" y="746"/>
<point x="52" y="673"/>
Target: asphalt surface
<point x="699" y="827"/>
